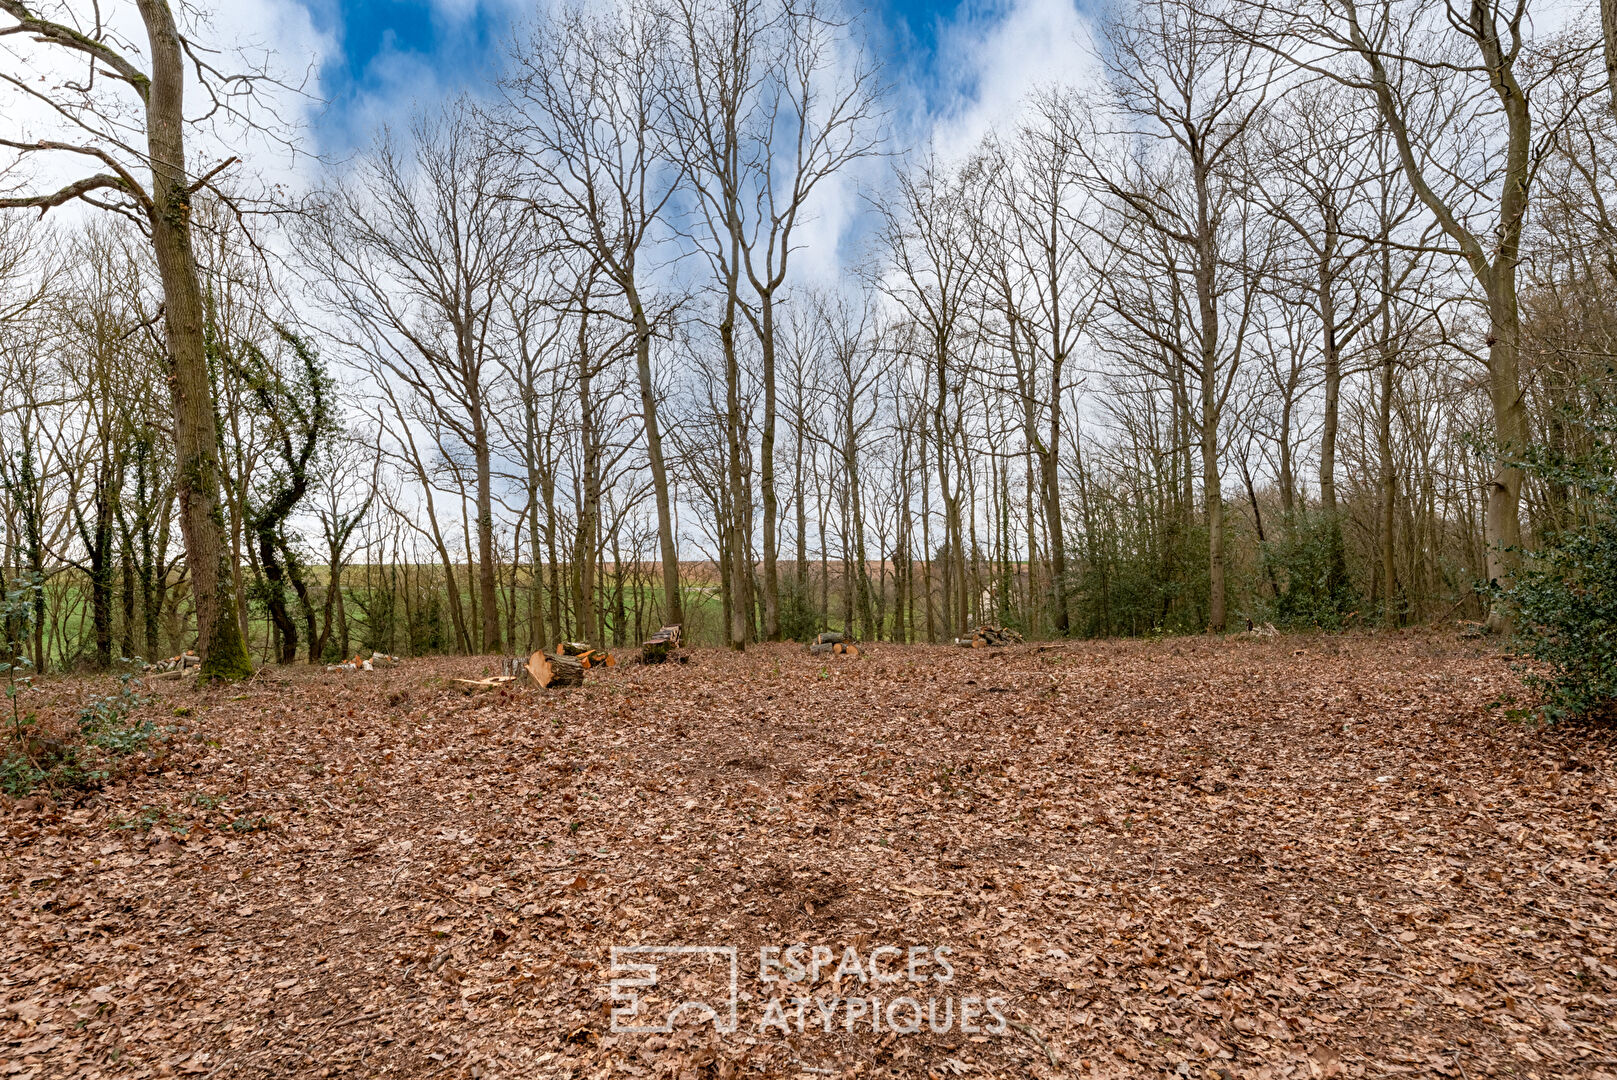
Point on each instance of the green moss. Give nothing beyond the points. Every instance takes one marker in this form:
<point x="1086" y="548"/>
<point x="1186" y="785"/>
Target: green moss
<point x="225" y="659"/>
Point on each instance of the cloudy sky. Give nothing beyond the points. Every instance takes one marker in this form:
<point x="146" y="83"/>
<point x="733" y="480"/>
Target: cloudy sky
<point x="955" y="69"/>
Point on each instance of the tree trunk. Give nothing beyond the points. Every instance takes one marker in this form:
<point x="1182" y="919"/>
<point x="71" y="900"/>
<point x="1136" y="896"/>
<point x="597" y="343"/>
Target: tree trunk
<point x="196" y="443"/>
<point x="1608" y="27"/>
<point x="589" y="509"/>
<point x="673" y="607"/>
<point x="275" y="598"/>
<point x="738" y="576"/>
<point x="1503" y="521"/>
<point x="1389" y="575"/>
<point x="771" y="579"/>
<point x="1333" y="384"/>
<point x="486" y="585"/>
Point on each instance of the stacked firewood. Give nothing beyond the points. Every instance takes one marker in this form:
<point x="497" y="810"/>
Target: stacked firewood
<point x="987" y="637"/>
<point x="586" y="655"/>
<point x="362" y="663"/>
<point x="174" y="665"/>
<point x="660" y="647"/>
<point x="833" y="643"/>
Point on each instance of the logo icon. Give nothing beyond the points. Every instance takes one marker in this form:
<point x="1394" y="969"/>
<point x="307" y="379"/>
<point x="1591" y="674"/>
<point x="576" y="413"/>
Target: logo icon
<point x="703" y="987"/>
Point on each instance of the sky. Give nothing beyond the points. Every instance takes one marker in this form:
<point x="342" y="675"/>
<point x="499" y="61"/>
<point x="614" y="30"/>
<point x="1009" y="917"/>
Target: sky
<point x="957" y="66"/>
<point x="953" y="70"/>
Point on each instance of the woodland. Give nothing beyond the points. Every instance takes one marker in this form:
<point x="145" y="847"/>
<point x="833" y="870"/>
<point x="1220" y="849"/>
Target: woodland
<point x="1160" y="553"/>
<point x="1264" y="326"/>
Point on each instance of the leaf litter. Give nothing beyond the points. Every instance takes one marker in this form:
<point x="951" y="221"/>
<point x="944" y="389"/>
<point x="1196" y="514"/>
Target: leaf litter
<point x="1292" y="857"/>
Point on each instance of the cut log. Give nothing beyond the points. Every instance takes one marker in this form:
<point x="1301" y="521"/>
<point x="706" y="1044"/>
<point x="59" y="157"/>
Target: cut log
<point x="595" y="658"/>
<point x="830" y="637"/>
<point x="985" y="637"/>
<point x="573" y="648"/>
<point x="851" y="650"/>
<point x="820" y="648"/>
<point x="557" y="671"/>
<point x="656" y="648"/>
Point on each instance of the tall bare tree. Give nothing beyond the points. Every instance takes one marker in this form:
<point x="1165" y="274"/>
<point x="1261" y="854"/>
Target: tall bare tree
<point x="587" y="97"/>
<point x="409" y="253"/>
<point x="94" y="128"/>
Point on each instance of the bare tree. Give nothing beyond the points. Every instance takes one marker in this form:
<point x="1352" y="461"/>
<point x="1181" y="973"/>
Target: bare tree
<point x="1472" y="101"/>
<point x="95" y="129"/>
<point x="586" y="99"/>
<point x="1199" y="97"/>
<point x="409" y="253"/>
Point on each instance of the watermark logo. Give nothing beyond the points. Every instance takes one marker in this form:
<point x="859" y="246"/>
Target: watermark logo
<point x="894" y="989"/>
<point x="645" y="999"/>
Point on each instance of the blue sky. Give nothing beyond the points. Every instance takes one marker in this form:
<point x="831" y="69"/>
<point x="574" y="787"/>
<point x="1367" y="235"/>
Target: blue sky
<point x="419" y="47"/>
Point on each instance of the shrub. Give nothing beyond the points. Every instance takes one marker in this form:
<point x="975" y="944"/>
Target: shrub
<point x="1309" y="567"/>
<point x="799" y="621"/>
<point x="106" y="731"/>
<point x="1563" y="601"/>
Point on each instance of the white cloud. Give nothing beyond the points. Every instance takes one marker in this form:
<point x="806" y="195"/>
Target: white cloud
<point x="990" y="59"/>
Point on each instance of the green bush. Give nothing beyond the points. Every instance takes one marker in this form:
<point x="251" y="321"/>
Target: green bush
<point x="799" y="621"/>
<point x="1563" y="601"/>
<point x="1308" y="565"/>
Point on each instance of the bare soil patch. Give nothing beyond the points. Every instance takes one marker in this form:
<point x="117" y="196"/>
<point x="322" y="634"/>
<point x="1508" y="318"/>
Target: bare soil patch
<point x="1297" y="857"/>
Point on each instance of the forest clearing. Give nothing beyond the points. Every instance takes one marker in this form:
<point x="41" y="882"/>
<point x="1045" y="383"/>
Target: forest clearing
<point x="1292" y="856"/>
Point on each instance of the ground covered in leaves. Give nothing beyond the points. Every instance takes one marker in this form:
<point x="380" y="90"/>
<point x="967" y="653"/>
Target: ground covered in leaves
<point x="1297" y="857"/>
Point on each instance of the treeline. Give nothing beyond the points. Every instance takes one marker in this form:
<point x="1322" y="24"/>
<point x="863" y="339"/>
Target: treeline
<point x="1256" y="328"/>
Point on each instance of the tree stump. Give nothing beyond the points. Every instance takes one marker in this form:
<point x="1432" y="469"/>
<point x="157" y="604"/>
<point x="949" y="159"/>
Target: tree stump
<point x="551" y="672"/>
<point x="655" y="649"/>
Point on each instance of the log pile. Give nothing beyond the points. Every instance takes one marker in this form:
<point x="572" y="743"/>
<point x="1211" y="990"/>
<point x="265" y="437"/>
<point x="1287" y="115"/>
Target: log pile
<point x="361" y="663"/>
<point x="589" y="657"/>
<point x="988" y="637"/>
<point x="174" y="667"/>
<point x="833" y="644"/>
<point x="657" y="648"/>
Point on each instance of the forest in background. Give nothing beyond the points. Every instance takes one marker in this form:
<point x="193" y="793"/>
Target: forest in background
<point x="1256" y="328"/>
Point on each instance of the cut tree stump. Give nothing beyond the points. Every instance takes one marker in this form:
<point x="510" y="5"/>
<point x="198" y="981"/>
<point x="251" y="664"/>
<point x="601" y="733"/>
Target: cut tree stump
<point x="655" y="649"/>
<point x="551" y="672"/>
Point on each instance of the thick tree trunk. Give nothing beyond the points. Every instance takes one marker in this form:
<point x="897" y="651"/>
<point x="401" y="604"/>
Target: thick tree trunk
<point x="275" y="598"/>
<point x="196" y="443"/>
